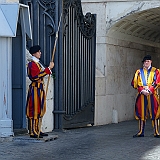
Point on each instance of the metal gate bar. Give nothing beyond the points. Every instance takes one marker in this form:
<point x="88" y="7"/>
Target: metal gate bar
<point x="79" y="65"/>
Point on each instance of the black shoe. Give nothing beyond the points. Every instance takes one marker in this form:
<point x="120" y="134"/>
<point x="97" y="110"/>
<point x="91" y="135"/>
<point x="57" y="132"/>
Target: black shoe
<point x="138" y="135"/>
<point x="157" y="136"/>
<point x="43" y="134"/>
<point x="36" y="136"/>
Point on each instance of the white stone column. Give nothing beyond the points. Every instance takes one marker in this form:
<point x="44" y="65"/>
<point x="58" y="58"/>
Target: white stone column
<point x="48" y="119"/>
<point x="6" y="123"/>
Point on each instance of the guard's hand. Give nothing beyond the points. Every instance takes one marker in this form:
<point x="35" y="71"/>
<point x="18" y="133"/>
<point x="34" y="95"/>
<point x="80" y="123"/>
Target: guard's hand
<point x="146" y="93"/>
<point x="51" y="65"/>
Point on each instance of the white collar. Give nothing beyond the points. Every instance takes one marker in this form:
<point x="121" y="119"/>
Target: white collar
<point x="35" y="59"/>
<point x="148" y="67"/>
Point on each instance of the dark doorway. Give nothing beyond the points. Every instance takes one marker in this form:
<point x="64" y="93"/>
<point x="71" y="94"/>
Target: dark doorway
<point x="18" y="79"/>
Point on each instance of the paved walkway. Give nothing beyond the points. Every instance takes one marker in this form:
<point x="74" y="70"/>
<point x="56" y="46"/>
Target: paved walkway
<point x="109" y="142"/>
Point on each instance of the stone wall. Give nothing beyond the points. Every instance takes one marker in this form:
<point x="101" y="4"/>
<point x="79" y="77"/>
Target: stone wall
<point x="122" y="60"/>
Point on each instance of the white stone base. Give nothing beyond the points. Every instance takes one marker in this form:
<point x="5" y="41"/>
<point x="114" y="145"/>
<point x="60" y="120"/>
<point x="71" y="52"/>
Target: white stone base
<point x="114" y="116"/>
<point x="6" y="128"/>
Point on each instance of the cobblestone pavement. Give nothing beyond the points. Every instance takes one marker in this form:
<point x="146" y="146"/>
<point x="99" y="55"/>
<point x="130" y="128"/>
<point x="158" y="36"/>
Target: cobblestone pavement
<point x="109" y="142"/>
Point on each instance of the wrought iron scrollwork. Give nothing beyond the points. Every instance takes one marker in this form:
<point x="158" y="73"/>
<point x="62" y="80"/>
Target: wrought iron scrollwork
<point x="89" y="28"/>
<point x="49" y="11"/>
<point x="86" y="23"/>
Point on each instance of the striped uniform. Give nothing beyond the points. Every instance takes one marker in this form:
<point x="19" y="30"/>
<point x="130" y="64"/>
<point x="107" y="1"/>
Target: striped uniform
<point x="146" y="79"/>
<point x="36" y="99"/>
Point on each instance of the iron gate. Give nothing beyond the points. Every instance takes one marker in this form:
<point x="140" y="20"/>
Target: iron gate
<point x="74" y="58"/>
<point x="79" y="41"/>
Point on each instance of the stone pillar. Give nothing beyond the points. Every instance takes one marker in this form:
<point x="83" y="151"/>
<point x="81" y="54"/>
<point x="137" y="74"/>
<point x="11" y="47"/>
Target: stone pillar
<point x="6" y="123"/>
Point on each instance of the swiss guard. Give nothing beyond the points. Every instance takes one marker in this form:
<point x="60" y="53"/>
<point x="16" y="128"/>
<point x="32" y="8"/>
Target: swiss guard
<point x="146" y="80"/>
<point x="36" y="99"/>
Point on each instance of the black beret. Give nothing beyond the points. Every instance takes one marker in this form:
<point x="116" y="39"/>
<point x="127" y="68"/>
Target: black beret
<point x="34" y="49"/>
<point x="147" y="57"/>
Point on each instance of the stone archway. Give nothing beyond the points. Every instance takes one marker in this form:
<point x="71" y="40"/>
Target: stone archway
<point x="130" y="36"/>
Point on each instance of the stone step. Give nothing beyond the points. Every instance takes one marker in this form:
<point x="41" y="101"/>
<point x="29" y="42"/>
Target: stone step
<point x="26" y="138"/>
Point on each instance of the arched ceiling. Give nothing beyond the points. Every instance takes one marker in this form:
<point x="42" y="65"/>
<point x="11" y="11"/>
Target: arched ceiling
<point x="142" y="27"/>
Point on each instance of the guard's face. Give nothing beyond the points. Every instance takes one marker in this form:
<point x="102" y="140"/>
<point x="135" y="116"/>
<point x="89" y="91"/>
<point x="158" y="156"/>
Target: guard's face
<point x="37" y="54"/>
<point x="147" y="63"/>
